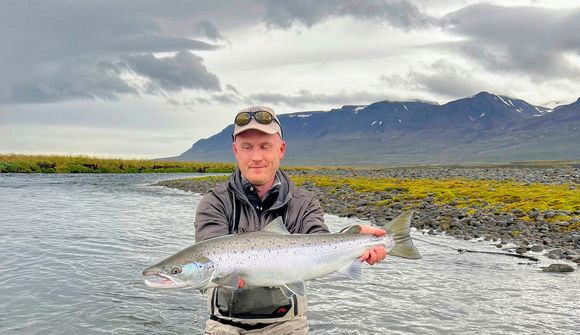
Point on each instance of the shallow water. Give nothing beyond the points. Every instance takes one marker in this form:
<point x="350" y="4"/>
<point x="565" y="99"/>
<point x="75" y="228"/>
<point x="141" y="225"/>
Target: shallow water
<point x="73" y="248"/>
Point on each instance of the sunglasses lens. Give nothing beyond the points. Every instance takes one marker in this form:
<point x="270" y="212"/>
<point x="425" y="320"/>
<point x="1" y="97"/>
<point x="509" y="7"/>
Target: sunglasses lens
<point x="243" y="119"/>
<point x="263" y="117"/>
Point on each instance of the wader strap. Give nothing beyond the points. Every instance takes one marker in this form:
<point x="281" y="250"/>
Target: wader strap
<point x="234" y="223"/>
<point x="244" y="326"/>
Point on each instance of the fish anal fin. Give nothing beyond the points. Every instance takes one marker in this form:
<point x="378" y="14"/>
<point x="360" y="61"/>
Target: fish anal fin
<point x="276" y="226"/>
<point x="352" y="270"/>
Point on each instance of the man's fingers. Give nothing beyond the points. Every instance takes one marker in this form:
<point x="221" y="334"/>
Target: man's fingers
<point x="366" y="229"/>
<point x="372" y="257"/>
<point x="381" y="253"/>
<point x="365" y="256"/>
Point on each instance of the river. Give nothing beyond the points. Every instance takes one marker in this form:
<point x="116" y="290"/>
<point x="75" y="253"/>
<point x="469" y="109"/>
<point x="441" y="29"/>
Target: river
<point x="72" y="248"/>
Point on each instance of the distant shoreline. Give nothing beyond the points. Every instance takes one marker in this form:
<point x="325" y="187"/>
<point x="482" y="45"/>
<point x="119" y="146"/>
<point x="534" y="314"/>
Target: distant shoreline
<point x="17" y="163"/>
<point x="460" y="202"/>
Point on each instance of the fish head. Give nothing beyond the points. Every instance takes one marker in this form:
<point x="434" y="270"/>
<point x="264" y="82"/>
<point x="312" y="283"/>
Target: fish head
<point x="191" y="272"/>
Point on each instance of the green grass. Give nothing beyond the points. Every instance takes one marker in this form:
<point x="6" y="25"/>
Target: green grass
<point x="11" y="163"/>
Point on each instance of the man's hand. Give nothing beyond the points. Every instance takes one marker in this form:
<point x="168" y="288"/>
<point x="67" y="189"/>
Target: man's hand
<point x="376" y="254"/>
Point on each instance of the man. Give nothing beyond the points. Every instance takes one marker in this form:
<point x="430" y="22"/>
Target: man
<point x="255" y="194"/>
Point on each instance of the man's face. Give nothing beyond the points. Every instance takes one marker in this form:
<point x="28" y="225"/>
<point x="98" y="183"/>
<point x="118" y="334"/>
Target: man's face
<point x="259" y="155"/>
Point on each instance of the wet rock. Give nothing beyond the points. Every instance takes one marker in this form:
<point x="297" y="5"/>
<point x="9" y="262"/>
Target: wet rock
<point x="537" y="248"/>
<point x="521" y="250"/>
<point x="549" y="214"/>
<point x="558" y="268"/>
<point x="397" y="205"/>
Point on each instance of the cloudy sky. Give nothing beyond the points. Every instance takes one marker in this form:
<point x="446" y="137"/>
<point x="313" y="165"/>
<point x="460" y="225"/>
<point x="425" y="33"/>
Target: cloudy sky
<point x="146" y="79"/>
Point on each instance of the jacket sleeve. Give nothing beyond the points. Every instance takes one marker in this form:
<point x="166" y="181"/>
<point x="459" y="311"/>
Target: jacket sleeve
<point x="211" y="218"/>
<point x="312" y="220"/>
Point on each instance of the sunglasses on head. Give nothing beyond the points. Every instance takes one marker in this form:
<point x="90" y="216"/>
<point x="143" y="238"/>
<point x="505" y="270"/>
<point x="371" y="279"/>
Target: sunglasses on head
<point x="262" y="117"/>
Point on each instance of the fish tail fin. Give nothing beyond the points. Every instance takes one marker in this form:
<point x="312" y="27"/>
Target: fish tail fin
<point x="399" y="228"/>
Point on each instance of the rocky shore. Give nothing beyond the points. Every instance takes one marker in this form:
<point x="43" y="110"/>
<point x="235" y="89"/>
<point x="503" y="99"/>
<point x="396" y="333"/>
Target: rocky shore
<point x="516" y="231"/>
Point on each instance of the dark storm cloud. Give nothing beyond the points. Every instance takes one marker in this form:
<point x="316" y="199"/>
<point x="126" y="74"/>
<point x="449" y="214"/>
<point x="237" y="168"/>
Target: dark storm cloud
<point x="184" y="70"/>
<point x="527" y="40"/>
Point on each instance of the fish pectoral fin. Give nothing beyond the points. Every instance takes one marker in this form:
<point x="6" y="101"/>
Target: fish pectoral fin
<point x="276" y="226"/>
<point x="291" y="289"/>
<point x="231" y="280"/>
<point x="352" y="230"/>
<point x="352" y="270"/>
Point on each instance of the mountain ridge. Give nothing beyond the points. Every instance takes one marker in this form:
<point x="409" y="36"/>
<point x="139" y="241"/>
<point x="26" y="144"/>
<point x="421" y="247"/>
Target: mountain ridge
<point x="481" y="128"/>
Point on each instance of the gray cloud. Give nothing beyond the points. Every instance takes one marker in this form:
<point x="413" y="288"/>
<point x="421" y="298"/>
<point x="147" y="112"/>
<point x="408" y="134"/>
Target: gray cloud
<point x="526" y="40"/>
<point x="58" y="50"/>
<point x="399" y="13"/>
<point x="182" y="71"/>
<point x="206" y="29"/>
<point x="305" y="98"/>
<point x="54" y="48"/>
<point x="442" y="78"/>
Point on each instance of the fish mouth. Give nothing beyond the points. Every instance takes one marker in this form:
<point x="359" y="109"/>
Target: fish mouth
<point x="159" y="280"/>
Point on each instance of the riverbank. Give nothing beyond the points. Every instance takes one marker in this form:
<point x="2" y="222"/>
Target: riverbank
<point x="12" y="163"/>
<point x="517" y="209"/>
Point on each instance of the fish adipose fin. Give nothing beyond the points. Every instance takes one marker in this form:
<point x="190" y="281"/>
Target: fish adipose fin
<point x="400" y="228"/>
<point x="276" y="226"/>
<point x="352" y="270"/>
<point x="292" y="289"/>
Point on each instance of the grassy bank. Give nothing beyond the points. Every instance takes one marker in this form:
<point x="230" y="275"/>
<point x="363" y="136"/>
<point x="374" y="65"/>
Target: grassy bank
<point x="490" y="195"/>
<point x="84" y="164"/>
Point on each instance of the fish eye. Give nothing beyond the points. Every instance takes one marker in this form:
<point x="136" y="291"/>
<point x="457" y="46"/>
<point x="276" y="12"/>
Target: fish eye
<point x="175" y="270"/>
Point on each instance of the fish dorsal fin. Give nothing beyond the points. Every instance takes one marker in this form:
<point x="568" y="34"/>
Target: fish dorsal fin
<point x="352" y="270"/>
<point x="276" y="226"/>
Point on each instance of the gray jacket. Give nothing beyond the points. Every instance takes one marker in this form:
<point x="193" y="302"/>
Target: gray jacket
<point x="215" y="212"/>
<point x="216" y="216"/>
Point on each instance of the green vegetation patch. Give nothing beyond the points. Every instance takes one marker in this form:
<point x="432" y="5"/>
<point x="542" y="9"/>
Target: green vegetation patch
<point x="500" y="195"/>
<point x="84" y="164"/>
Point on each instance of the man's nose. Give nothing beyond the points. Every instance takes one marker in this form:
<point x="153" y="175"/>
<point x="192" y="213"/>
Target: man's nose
<point x="256" y="155"/>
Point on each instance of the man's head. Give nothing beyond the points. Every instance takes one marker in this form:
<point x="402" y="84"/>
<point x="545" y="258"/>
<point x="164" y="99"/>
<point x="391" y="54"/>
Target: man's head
<point x="258" y="144"/>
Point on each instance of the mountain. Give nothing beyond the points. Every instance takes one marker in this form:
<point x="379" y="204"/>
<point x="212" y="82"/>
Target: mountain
<point x="481" y="128"/>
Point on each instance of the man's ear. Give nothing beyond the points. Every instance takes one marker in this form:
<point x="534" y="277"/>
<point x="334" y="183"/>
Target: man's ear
<point x="235" y="149"/>
<point x="282" y="149"/>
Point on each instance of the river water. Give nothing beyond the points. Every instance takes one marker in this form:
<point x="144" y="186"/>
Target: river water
<point x="72" y="248"/>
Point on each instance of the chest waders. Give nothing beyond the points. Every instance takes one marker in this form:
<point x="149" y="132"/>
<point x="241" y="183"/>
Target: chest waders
<point x="253" y="307"/>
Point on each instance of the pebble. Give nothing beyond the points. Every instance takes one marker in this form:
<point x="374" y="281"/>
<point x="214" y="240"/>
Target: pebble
<point x="558" y="268"/>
